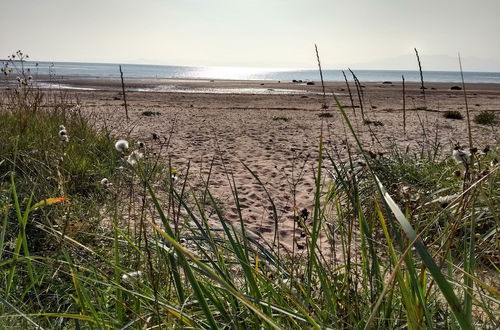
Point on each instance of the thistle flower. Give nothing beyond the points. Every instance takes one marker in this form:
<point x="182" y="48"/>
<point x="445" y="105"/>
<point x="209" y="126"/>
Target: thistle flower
<point x="121" y="145"/>
<point x="132" y="275"/>
<point x="134" y="157"/>
<point x="461" y="156"/>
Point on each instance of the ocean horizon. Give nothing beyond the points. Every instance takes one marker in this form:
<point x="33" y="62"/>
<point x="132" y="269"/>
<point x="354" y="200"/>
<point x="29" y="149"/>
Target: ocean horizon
<point x="149" y="71"/>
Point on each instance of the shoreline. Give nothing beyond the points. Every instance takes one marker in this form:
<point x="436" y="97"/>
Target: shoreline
<point x="228" y="86"/>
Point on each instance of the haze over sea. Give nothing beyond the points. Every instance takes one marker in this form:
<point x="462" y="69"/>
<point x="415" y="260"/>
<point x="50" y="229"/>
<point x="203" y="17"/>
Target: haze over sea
<point x="109" y="70"/>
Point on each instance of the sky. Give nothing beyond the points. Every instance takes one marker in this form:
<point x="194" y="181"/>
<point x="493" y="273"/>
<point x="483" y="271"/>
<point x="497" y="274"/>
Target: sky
<point x="364" y="34"/>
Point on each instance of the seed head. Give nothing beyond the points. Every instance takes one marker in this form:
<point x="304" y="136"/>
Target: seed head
<point x="121" y="145"/>
<point x="134" y="157"/>
<point x="461" y="156"/>
<point x="105" y="182"/>
<point x="63" y="135"/>
<point x="132" y="275"/>
<point x="444" y="201"/>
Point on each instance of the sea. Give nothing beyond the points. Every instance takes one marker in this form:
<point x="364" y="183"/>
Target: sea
<point x="111" y="70"/>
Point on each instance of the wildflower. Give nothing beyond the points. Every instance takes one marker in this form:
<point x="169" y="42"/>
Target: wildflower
<point x="132" y="275"/>
<point x="121" y="145"/>
<point x="140" y="145"/>
<point x="61" y="128"/>
<point x="134" y="157"/>
<point x="173" y="175"/>
<point x="105" y="182"/>
<point x="461" y="156"/>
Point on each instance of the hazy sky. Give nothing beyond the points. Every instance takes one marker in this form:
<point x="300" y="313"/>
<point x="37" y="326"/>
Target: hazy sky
<point x="267" y="33"/>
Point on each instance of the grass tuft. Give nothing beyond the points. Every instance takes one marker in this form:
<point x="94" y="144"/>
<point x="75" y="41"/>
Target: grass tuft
<point x="486" y="118"/>
<point x="453" y="114"/>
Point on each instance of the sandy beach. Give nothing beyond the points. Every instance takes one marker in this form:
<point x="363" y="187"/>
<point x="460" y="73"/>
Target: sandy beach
<point x="274" y="129"/>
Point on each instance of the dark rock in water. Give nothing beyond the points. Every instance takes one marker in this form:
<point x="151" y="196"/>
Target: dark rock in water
<point x="387" y="83"/>
<point x="262" y="84"/>
<point x="295" y="81"/>
<point x="422" y="87"/>
<point x="299" y="81"/>
<point x="310" y="83"/>
<point x="433" y="88"/>
<point x="456" y="88"/>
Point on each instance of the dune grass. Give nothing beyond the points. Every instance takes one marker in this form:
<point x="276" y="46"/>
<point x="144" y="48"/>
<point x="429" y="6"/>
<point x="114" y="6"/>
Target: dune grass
<point x="414" y="235"/>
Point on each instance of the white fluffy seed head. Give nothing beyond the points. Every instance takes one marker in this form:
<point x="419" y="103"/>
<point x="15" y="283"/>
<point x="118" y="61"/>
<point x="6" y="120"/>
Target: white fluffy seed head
<point x="121" y="145"/>
<point x="105" y="182"/>
<point x="140" y="145"/>
<point x="132" y="275"/>
<point x="62" y="128"/>
<point x="134" y="157"/>
<point x="462" y="156"/>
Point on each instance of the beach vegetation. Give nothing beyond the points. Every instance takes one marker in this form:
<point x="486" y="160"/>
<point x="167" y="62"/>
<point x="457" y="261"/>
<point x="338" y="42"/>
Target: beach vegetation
<point x="281" y="118"/>
<point x="96" y="233"/>
<point x="486" y="118"/>
<point x="149" y="113"/>
<point x="453" y="114"/>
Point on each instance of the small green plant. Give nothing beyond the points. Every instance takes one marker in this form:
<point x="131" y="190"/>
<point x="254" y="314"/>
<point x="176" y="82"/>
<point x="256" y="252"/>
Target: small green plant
<point x="325" y="115"/>
<point x="453" y="114"/>
<point x="149" y="113"/>
<point x="486" y="118"/>
<point x="281" y="118"/>
<point x="373" y="122"/>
